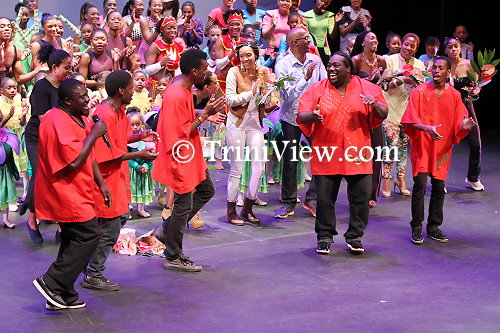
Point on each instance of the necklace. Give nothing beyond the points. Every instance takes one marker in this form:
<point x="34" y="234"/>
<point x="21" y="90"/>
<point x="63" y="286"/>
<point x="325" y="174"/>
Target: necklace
<point x="372" y="64"/>
<point x="75" y="119"/>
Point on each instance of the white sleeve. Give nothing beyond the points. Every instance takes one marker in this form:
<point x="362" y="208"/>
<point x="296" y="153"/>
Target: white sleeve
<point x="221" y="63"/>
<point x="154" y="68"/>
<point x="232" y="97"/>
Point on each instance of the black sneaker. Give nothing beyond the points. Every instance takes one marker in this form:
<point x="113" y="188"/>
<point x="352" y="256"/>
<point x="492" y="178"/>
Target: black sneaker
<point x="283" y="213"/>
<point x="182" y="264"/>
<point x="310" y="205"/>
<point x="78" y="304"/>
<point x="323" y="248"/>
<point x="416" y="235"/>
<point x="437" y="235"/>
<point x="355" y="246"/>
<point x="99" y="283"/>
<point x="48" y="294"/>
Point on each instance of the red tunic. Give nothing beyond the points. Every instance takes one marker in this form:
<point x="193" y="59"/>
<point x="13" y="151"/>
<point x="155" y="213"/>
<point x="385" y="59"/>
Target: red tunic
<point x="227" y="44"/>
<point x="174" y="125"/>
<point x="347" y="123"/>
<point x="63" y="196"/>
<point x="424" y="107"/>
<point x="173" y="51"/>
<point x="115" y="172"/>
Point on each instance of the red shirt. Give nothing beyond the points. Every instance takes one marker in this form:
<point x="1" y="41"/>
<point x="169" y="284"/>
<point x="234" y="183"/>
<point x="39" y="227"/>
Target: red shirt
<point x="347" y="123"/>
<point x="174" y="125"/>
<point x="424" y="107"/>
<point x="173" y="51"/>
<point x="63" y="196"/>
<point x="115" y="173"/>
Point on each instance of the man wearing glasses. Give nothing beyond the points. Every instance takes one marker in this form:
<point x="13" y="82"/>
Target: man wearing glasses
<point x="308" y="69"/>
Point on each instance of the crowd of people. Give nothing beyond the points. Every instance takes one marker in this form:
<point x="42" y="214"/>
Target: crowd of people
<point x="92" y="124"/>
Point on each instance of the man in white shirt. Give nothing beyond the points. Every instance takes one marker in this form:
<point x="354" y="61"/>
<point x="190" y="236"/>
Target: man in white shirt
<point x="308" y="69"/>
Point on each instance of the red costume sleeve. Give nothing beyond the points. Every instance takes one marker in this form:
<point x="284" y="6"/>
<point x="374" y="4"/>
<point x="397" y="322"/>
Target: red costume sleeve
<point x="461" y="113"/>
<point x="411" y="114"/>
<point x="103" y="152"/>
<point x="64" y="147"/>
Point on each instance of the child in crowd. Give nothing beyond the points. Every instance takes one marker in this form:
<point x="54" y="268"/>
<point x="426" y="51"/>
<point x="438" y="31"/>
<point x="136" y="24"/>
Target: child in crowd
<point x="86" y="30"/>
<point x="163" y="82"/>
<point x="393" y="43"/>
<point x="431" y="49"/>
<point x="8" y="171"/>
<point x="214" y="33"/>
<point x="133" y="63"/>
<point x="9" y="99"/>
<point x="462" y="34"/>
<point x="141" y="95"/>
<point x="248" y="32"/>
<point x="141" y="183"/>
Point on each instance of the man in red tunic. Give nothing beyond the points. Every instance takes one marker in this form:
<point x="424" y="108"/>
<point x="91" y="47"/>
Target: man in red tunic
<point x="339" y="112"/>
<point x="435" y="120"/>
<point x="180" y="164"/>
<point x="114" y="167"/>
<point x="64" y="189"/>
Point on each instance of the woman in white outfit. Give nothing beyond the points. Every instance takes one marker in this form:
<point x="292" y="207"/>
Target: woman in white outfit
<point x="244" y="137"/>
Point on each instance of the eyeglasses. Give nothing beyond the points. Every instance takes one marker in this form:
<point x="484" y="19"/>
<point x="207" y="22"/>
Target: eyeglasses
<point x="306" y="38"/>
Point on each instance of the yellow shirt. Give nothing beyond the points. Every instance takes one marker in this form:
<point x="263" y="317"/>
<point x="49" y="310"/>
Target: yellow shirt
<point x="6" y="104"/>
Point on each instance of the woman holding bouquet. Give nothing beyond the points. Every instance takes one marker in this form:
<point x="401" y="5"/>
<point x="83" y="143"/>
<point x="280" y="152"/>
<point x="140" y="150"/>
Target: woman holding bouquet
<point x="405" y="69"/>
<point x="244" y="129"/>
<point x="459" y="68"/>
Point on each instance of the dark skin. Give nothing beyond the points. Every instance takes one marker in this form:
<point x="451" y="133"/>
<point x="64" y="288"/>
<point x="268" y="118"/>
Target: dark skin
<point x="196" y="75"/>
<point x="339" y="75"/>
<point x="440" y="72"/>
<point x="123" y="97"/>
<point x="77" y="106"/>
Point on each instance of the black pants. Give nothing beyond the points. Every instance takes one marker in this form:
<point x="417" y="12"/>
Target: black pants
<point x="289" y="174"/>
<point x="185" y="207"/>
<point x="377" y="138"/>
<point x="31" y="140"/>
<point x="358" y="193"/>
<point x="109" y="233"/>
<point x="78" y="242"/>
<point x="435" y="218"/>
<point x="474" y="141"/>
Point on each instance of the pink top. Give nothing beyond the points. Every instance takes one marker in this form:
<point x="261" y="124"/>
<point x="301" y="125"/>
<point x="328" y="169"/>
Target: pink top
<point x="218" y="17"/>
<point x="280" y="30"/>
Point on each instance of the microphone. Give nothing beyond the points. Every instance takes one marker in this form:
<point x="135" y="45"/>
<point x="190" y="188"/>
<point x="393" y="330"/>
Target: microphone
<point x="95" y="118"/>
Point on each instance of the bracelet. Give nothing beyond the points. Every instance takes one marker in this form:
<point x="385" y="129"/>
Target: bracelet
<point x="200" y="118"/>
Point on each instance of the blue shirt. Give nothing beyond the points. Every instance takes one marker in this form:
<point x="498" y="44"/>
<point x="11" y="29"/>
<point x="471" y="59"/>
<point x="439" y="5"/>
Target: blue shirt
<point x="291" y="66"/>
<point x="249" y="19"/>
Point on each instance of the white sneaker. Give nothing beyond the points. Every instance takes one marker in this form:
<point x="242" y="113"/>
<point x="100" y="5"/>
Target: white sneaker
<point x="476" y="186"/>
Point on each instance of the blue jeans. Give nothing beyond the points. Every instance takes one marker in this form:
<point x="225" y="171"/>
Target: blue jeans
<point x="110" y="230"/>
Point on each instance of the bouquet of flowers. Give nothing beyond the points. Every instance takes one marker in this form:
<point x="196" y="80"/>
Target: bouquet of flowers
<point x="484" y="70"/>
<point x="272" y="87"/>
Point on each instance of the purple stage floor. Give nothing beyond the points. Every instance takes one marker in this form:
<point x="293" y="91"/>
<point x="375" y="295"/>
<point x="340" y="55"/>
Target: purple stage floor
<point x="268" y="278"/>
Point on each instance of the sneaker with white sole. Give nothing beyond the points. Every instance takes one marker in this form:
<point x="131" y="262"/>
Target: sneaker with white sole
<point x="78" y="304"/>
<point x="323" y="248"/>
<point x="355" y="246"/>
<point x="437" y="235"/>
<point x="476" y="186"/>
<point x="48" y="294"/>
<point x="182" y="264"/>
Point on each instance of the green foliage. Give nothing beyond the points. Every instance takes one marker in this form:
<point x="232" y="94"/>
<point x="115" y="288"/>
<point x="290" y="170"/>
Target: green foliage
<point x="471" y="76"/>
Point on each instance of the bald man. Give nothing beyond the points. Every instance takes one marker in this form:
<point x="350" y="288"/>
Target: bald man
<point x="308" y="69"/>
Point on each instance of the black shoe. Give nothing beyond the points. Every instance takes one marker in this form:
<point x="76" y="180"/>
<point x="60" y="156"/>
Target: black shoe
<point x="49" y="295"/>
<point x="35" y="235"/>
<point x="437" y="235"/>
<point x="323" y="248"/>
<point x="283" y="213"/>
<point x="355" y="246"/>
<point x="78" y="304"/>
<point x="182" y="264"/>
<point x="310" y="205"/>
<point x="416" y="235"/>
<point x="99" y="283"/>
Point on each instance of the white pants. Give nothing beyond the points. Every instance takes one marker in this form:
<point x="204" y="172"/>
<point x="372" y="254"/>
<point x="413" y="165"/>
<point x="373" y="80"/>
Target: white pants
<point x="237" y="138"/>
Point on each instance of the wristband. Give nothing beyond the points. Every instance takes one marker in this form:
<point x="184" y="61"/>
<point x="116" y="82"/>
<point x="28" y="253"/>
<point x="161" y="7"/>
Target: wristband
<point x="200" y="118"/>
